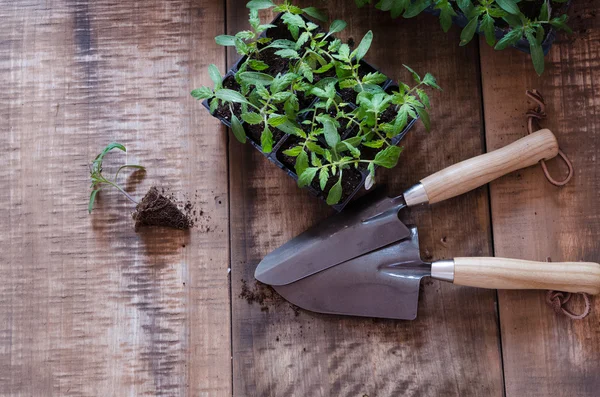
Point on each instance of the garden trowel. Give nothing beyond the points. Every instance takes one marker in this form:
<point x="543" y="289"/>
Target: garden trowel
<point x="331" y="254"/>
<point x="385" y="282"/>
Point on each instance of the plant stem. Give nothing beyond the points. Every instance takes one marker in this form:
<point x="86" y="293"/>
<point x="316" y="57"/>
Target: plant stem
<point x="119" y="188"/>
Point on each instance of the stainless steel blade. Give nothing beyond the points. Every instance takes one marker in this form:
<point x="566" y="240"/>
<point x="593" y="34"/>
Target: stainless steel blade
<point x="383" y="283"/>
<point x="371" y="224"/>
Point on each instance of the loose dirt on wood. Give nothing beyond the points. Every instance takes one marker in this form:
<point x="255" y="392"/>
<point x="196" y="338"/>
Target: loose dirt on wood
<point x="265" y="296"/>
<point x="156" y="209"/>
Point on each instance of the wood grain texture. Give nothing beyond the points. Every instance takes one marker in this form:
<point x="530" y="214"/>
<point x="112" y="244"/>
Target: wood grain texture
<point x="87" y="306"/>
<point x="508" y="273"/>
<point x="546" y="354"/>
<point x="452" y="348"/>
<point x="478" y="171"/>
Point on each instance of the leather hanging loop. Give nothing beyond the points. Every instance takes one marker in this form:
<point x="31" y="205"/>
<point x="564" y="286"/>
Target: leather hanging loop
<point x="533" y="116"/>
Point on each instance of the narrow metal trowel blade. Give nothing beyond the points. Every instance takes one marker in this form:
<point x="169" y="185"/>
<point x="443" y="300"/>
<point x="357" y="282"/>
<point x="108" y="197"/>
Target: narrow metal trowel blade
<point x="383" y="283"/>
<point x="355" y="232"/>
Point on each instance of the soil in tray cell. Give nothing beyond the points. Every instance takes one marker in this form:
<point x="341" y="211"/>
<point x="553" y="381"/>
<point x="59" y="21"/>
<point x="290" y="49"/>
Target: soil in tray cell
<point x="351" y="178"/>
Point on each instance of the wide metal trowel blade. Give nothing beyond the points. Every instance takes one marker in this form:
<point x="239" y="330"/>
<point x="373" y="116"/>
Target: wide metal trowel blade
<point x="360" y="229"/>
<point x="383" y="283"/>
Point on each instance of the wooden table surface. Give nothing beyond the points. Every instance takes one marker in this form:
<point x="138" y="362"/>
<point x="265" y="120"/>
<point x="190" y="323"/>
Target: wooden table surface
<point x="88" y="307"/>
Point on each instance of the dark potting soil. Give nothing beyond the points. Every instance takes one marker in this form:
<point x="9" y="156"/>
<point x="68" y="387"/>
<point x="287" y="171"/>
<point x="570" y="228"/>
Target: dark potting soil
<point x="156" y="209"/>
<point x="351" y="178"/>
<point x="254" y="132"/>
<point x="276" y="63"/>
<point x="223" y="111"/>
<point x="286" y="160"/>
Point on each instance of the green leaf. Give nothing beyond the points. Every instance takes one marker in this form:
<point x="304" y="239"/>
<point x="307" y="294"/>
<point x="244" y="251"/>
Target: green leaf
<point x="215" y="76"/>
<point x="374" y="144"/>
<point x="416" y="77"/>
<point x="293" y="20"/>
<point x="487" y="25"/>
<point x="513" y="21"/>
<point x="469" y="31"/>
<point x="335" y="193"/>
<point x="257" y="65"/>
<point x="374" y="78"/>
<point x="287" y="53"/>
<point x="315" y="13"/>
<point x="465" y="6"/>
<point x="509" y="6"/>
<point x="544" y="11"/>
<point x="446" y="14"/>
<point x="241" y="47"/>
<point x="275" y="120"/>
<point x="332" y="137"/>
<point x="423" y="97"/>
<point x="430" y="81"/>
<point x="398" y="7"/>
<point x="137" y="167"/>
<point x="416" y="8"/>
<point x="539" y="34"/>
<point x="509" y="39"/>
<point x="245" y="35"/>
<point x="315" y="160"/>
<point x="363" y="47"/>
<point x="252" y="118"/>
<point x="301" y="163"/>
<point x="293" y="152"/>
<point x="313" y="147"/>
<point x="560" y="23"/>
<point x="344" y="52"/>
<point x="238" y="129"/>
<point x="323" y="177"/>
<point x="266" y="140"/>
<point x="228" y="95"/>
<point x="92" y="199"/>
<point x="424" y="118"/>
<point x="282" y="43"/>
<point x="307" y="175"/>
<point x="282" y="82"/>
<point x="111" y="146"/>
<point x="388" y="157"/>
<point x="537" y="54"/>
<point x="354" y="151"/>
<point x="337" y="26"/>
<point x="256" y="78"/>
<point x="306" y="71"/>
<point x="260" y="4"/>
<point x="202" y="93"/>
<point x="348" y="83"/>
<point x="225" y="40"/>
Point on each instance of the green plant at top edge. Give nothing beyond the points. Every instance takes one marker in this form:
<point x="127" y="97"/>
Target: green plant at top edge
<point x="484" y="16"/>
<point x="318" y="65"/>
<point x="99" y="181"/>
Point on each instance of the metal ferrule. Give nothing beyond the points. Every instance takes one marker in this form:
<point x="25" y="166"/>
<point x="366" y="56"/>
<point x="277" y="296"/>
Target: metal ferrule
<point x="416" y="195"/>
<point x="443" y="270"/>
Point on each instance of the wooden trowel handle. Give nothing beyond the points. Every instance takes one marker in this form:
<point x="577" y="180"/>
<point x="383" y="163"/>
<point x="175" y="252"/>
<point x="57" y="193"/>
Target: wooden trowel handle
<point x="477" y="171"/>
<point x="503" y="273"/>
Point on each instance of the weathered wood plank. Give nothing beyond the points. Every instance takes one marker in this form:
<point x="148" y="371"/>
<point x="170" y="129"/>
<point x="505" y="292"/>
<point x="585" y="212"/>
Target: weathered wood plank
<point x="87" y="306"/>
<point x="452" y="348"/>
<point x="546" y="354"/>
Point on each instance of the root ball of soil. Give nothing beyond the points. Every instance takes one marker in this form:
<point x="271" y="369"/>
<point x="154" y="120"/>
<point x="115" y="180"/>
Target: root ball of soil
<point x="158" y="210"/>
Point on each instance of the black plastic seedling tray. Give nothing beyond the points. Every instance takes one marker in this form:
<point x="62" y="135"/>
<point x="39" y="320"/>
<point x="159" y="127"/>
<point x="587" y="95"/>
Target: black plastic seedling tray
<point x="276" y="156"/>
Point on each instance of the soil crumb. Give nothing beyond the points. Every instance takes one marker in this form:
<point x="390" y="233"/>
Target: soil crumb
<point x="265" y="296"/>
<point x="156" y="209"/>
